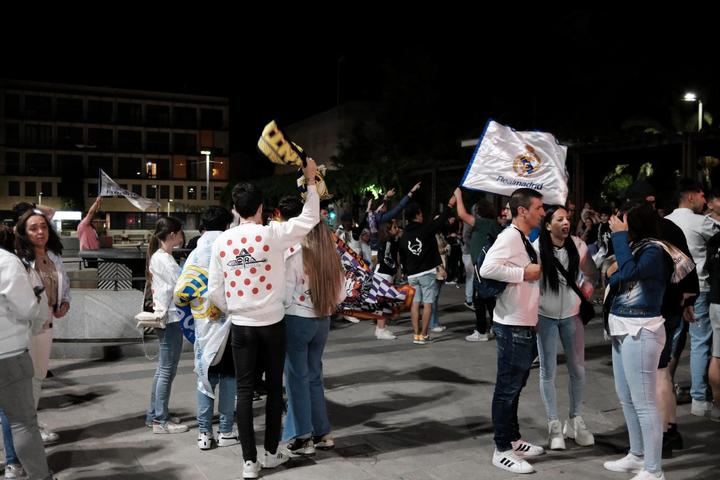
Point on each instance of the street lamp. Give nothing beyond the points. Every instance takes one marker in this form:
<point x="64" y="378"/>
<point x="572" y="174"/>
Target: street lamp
<point x="207" y="154"/>
<point x="691" y="97"/>
<point x="40" y="198"/>
<point x="170" y="200"/>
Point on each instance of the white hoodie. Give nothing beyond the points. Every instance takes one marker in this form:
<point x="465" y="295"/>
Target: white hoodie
<point x="247" y="266"/>
<point x="19" y="306"/>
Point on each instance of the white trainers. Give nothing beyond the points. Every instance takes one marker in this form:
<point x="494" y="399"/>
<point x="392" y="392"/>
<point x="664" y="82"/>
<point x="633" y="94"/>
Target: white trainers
<point x="351" y="319"/>
<point x="168" y="427"/>
<point x="48" y="436"/>
<point x="324" y="442"/>
<point x="251" y="469"/>
<point x="228" y="439"/>
<point x="715" y="414"/>
<point x="511" y="462"/>
<point x="438" y="329"/>
<point x="477" y="337"/>
<point x="628" y="464"/>
<point x="384" y="334"/>
<point x="527" y="449"/>
<point x="643" y="475"/>
<point x="700" y="408"/>
<point x="576" y="429"/>
<point x="556" y="440"/>
<point x="205" y="440"/>
<point x="15" y="471"/>
<point x="272" y="460"/>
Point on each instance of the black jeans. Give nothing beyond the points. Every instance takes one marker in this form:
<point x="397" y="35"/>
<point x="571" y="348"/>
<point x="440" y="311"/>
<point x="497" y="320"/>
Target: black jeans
<point x="482" y="306"/>
<point x="269" y="344"/>
<point x="516" y="349"/>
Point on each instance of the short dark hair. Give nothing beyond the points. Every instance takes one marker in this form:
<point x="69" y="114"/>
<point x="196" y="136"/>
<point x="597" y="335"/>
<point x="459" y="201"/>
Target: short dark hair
<point x="247" y="198"/>
<point x="19" y="209"/>
<point x="215" y="218"/>
<point x="290" y="206"/>
<point x="643" y="220"/>
<point x="688" y="185"/>
<point x="522" y="197"/>
<point x="412" y="210"/>
<point x="7" y="238"/>
<point x="605" y="210"/>
<point x="640" y="190"/>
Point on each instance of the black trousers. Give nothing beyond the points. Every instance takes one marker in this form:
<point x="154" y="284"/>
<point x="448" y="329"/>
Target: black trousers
<point x="268" y="343"/>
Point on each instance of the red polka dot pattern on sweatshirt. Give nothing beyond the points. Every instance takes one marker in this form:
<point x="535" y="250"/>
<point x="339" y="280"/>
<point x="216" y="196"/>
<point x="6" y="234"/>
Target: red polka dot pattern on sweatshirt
<point x="266" y="248"/>
<point x="232" y="284"/>
<point x="251" y="249"/>
<point x="228" y="294"/>
<point x="236" y="251"/>
<point x="302" y="298"/>
<point x="258" y="238"/>
<point x="262" y="278"/>
<point x="238" y="272"/>
<point x="247" y="281"/>
<point x="240" y="293"/>
<point x="255" y="291"/>
<point x="229" y="242"/>
<point x="243" y="240"/>
<point x="268" y="268"/>
<point x="253" y="270"/>
<point x="222" y="254"/>
<point x="269" y="286"/>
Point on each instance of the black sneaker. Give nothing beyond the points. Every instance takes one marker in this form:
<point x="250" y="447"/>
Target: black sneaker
<point x="674" y="438"/>
<point x="301" y="446"/>
<point x="667" y="449"/>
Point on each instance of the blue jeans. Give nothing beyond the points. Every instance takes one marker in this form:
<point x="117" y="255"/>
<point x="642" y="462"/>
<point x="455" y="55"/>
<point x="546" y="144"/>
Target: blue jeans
<point x="700" y="348"/>
<point x="434" y="317"/>
<point x="226" y="404"/>
<point x="516" y="349"/>
<point x="572" y="335"/>
<point x="635" y="361"/>
<point x="10" y="455"/>
<point x="170" y="339"/>
<point x="306" y="413"/>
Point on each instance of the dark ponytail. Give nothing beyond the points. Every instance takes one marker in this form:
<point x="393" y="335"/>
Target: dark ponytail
<point x="164" y="227"/>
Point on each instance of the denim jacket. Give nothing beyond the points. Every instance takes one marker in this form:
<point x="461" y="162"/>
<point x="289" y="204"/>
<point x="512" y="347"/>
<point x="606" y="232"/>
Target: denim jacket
<point x="640" y="280"/>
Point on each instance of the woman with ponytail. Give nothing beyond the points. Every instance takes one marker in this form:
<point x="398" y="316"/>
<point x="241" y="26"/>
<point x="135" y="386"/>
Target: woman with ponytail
<point x="162" y="273"/>
<point x="315" y="285"/>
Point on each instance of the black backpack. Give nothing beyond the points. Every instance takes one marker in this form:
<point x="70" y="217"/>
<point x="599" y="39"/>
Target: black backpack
<point x="487" y="288"/>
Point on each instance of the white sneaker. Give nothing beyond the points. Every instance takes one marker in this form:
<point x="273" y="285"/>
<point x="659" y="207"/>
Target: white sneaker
<point x="700" y="408"/>
<point x="167" y="428"/>
<point x="351" y="319"/>
<point x="511" y="462"/>
<point x="251" y="469"/>
<point x="15" y="471"/>
<point x="273" y="460"/>
<point x="715" y="414"/>
<point x="384" y="334"/>
<point x="48" y="436"/>
<point x="628" y="464"/>
<point x="643" y="475"/>
<point x="439" y="328"/>
<point x="575" y="428"/>
<point x="477" y="337"/>
<point x="205" y="440"/>
<point x="228" y="439"/>
<point x="556" y="440"/>
<point x="527" y="449"/>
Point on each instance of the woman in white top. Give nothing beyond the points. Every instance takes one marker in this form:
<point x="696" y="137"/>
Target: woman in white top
<point x="558" y="316"/>
<point x="315" y="286"/>
<point x="162" y="273"/>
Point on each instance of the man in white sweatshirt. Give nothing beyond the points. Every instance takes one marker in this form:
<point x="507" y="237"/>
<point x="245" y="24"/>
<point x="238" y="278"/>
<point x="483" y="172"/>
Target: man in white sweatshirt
<point x="19" y="307"/>
<point x="512" y="259"/>
<point x="246" y="280"/>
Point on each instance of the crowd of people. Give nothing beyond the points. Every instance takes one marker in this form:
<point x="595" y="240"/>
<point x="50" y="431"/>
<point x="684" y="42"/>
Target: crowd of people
<point x="262" y="295"/>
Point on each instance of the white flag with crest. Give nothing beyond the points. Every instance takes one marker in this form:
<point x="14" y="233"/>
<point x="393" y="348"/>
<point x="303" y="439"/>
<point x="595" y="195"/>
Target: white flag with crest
<point x="110" y="188"/>
<point x="505" y="160"/>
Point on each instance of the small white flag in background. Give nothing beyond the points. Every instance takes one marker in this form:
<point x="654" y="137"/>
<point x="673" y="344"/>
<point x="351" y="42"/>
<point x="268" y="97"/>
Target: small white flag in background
<point x="110" y="188"/>
<point x="506" y="160"/>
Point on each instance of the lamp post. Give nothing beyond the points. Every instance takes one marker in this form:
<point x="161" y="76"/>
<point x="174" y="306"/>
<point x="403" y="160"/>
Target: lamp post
<point x="691" y="97"/>
<point x="207" y="154"/>
<point x="40" y="198"/>
<point x="170" y="200"/>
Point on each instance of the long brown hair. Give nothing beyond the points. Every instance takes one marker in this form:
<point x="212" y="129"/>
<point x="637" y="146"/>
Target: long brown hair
<point x="323" y="268"/>
<point x="164" y="227"/>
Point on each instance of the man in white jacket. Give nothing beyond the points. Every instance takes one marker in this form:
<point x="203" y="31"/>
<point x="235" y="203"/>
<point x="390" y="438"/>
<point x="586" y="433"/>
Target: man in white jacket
<point x="512" y="259"/>
<point x="19" y="308"/>
<point x="247" y="281"/>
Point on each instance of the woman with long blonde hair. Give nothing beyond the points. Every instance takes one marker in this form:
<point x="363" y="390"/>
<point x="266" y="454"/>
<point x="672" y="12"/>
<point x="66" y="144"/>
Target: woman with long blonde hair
<point x="315" y="285"/>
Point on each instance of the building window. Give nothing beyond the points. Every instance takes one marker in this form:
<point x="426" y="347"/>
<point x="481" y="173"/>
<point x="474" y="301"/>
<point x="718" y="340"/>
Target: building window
<point x="157" y="116"/>
<point x="12" y="163"/>
<point x="92" y="189"/>
<point x="203" y="193"/>
<point x="100" y="137"/>
<point x="14" y="189"/>
<point x="30" y="189"/>
<point x="137" y="188"/>
<point x="211" y="118"/>
<point x="164" y="191"/>
<point x="70" y="163"/>
<point x="47" y="189"/>
<point x="38" y="164"/>
<point x="130" y="140"/>
<point x="180" y="166"/>
<point x="129" y="167"/>
<point x="219" y="168"/>
<point x="38" y="135"/>
<point x="94" y="162"/>
<point x="150" y="169"/>
<point x="69" y="109"/>
<point x="192" y="193"/>
<point x="12" y="134"/>
<point x="38" y="107"/>
<point x="151" y="191"/>
<point x="185" y="143"/>
<point x="69" y="137"/>
<point x="157" y="142"/>
<point x="185" y="117"/>
<point x="178" y="193"/>
<point x="217" y="192"/>
<point x="100" y="111"/>
<point x="12" y="105"/>
<point x="129" y="113"/>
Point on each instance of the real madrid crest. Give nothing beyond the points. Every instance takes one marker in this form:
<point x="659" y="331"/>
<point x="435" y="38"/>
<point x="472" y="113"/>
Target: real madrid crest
<point x="527" y="164"/>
